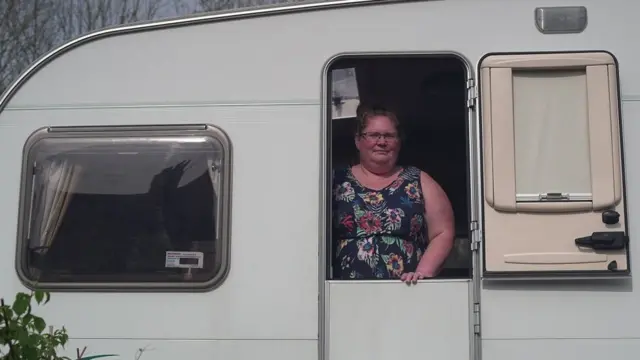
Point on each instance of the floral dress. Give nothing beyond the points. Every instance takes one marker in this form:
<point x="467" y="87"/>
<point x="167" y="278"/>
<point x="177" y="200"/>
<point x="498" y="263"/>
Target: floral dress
<point x="378" y="234"/>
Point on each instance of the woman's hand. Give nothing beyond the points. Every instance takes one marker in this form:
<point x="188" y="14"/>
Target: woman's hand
<point x="413" y="277"/>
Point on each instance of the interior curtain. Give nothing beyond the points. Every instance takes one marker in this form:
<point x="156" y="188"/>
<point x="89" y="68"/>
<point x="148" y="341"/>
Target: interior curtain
<point x="214" y="173"/>
<point x="57" y="183"/>
<point x="214" y="169"/>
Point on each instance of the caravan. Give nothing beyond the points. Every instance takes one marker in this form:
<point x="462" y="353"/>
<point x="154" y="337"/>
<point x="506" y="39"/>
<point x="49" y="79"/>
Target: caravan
<point x="169" y="182"/>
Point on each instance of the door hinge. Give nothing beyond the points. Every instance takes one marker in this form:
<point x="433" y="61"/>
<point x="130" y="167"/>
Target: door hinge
<point x="475" y="243"/>
<point x="476" y="318"/>
<point x="472" y="94"/>
<point x="473" y="225"/>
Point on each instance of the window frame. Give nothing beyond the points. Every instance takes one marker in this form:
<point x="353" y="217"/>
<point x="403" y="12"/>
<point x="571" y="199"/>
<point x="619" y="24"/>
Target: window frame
<point x="222" y="207"/>
<point x="507" y="64"/>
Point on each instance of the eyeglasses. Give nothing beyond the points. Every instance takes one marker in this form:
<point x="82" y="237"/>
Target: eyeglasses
<point x="375" y="136"/>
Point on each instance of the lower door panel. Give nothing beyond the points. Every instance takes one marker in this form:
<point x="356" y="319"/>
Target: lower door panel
<point x="390" y="320"/>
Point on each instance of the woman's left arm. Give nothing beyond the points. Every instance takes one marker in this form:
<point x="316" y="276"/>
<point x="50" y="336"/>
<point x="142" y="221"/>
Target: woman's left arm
<point x="440" y="227"/>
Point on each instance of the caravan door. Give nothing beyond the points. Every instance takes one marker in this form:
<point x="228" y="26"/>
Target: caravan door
<point x="388" y="319"/>
<point x="554" y="191"/>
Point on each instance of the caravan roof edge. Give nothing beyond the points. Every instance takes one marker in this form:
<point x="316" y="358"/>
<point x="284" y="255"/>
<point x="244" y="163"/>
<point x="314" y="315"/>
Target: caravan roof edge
<point x="235" y="14"/>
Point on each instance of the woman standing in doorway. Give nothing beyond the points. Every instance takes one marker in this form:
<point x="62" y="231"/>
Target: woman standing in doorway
<point x="389" y="222"/>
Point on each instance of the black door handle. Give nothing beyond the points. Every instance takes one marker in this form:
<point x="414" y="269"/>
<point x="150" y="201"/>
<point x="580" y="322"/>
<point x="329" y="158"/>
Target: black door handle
<point x="605" y="240"/>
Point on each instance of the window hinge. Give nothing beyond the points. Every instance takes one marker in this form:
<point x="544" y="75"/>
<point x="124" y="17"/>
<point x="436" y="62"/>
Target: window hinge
<point x="476" y="318"/>
<point x="472" y="94"/>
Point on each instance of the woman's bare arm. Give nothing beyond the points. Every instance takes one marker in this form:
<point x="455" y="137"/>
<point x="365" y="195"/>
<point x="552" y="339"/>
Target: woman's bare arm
<point x="441" y="229"/>
<point x="440" y="225"/>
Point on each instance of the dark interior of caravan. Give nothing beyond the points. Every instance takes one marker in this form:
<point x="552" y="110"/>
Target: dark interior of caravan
<point x="428" y="94"/>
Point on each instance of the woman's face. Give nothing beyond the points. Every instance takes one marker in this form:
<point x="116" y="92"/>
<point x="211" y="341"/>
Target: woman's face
<point x="379" y="143"/>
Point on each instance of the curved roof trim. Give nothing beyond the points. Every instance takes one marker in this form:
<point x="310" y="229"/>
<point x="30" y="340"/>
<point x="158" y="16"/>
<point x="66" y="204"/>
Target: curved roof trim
<point x="234" y="14"/>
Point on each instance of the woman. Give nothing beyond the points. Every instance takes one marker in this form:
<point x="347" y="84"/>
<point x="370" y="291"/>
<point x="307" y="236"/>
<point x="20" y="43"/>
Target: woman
<point x="389" y="222"/>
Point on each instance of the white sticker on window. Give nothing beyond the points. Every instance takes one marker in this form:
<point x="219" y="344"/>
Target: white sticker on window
<point x="184" y="259"/>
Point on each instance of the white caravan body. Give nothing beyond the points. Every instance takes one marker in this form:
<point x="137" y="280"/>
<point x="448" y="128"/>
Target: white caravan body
<point x="258" y="79"/>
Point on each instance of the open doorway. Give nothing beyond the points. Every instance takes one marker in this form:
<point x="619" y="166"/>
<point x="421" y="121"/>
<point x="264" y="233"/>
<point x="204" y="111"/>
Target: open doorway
<point x="428" y="94"/>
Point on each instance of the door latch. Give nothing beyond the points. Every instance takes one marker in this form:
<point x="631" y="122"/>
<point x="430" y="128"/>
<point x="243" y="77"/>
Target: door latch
<point x="605" y="240"/>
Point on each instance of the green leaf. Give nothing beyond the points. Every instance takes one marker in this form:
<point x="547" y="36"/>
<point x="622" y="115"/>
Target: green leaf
<point x="39" y="324"/>
<point x="20" y="305"/>
<point x="401" y="245"/>
<point x="6" y="311"/>
<point x="389" y="240"/>
<point x="23" y="296"/>
<point x="29" y="353"/>
<point x="39" y="295"/>
<point x="64" y="338"/>
<point x="359" y="212"/>
<point x="33" y="339"/>
<point x="22" y="335"/>
<point x="27" y="319"/>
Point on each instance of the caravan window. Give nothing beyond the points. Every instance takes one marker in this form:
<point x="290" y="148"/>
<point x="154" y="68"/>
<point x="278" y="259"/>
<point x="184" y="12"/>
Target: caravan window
<point x="125" y="208"/>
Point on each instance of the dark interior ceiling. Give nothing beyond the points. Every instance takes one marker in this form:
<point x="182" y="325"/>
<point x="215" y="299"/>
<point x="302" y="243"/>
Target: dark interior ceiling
<point x="419" y="90"/>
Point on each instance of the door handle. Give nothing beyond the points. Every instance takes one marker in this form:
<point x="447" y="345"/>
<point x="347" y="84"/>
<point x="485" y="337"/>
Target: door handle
<point x="604" y="240"/>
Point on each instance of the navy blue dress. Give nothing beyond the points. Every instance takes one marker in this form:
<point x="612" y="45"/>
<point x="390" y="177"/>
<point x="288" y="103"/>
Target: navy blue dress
<point x="378" y="234"/>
